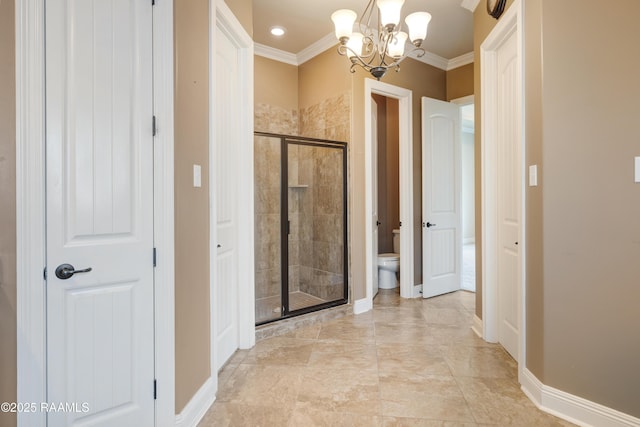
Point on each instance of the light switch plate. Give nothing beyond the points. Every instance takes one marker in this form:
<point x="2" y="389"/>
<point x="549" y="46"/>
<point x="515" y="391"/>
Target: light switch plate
<point x="638" y="169"/>
<point x="533" y="176"/>
<point x="197" y="176"/>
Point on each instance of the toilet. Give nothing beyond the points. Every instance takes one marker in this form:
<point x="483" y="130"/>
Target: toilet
<point x="389" y="265"/>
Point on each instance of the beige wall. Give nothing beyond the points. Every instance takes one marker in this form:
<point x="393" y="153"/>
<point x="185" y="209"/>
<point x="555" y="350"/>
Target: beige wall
<point x="275" y="83"/>
<point x="582" y="224"/>
<point x="192" y="330"/>
<point x="322" y="77"/>
<point x="591" y="206"/>
<point x="422" y="80"/>
<point x="7" y="211"/>
<point x="460" y="82"/>
<point x="388" y="171"/>
<point x="243" y="10"/>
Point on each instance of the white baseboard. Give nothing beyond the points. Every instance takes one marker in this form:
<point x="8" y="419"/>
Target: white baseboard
<point x="477" y="326"/>
<point x="417" y="291"/>
<point x="198" y="405"/>
<point x="573" y="408"/>
<point x="362" y="305"/>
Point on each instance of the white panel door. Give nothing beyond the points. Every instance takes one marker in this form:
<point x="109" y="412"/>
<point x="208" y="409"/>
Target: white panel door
<point x="508" y="197"/>
<point x="441" y="197"/>
<point x="374" y="192"/>
<point x="99" y="185"/>
<point x="227" y="135"/>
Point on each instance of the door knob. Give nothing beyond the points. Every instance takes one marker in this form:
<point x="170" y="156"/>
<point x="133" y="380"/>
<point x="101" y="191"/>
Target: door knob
<point x="378" y="223"/>
<point x="66" y="271"/>
<point x="429" y="225"/>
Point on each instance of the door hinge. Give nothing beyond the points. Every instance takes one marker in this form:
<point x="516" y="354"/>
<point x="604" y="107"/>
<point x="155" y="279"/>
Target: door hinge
<point x="44" y="273"/>
<point x="288" y="227"/>
<point x="153" y="2"/>
<point x="153" y="126"/>
<point x="154" y="257"/>
<point x="155" y="389"/>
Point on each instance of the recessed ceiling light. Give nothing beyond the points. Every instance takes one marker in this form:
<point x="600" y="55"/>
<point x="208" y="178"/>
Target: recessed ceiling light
<point x="277" y="31"/>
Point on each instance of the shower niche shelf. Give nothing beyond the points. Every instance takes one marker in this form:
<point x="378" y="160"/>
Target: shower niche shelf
<point x="298" y="186"/>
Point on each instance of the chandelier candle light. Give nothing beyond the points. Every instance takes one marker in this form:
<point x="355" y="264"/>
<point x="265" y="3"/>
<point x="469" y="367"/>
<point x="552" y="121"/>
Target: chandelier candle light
<point x="379" y="50"/>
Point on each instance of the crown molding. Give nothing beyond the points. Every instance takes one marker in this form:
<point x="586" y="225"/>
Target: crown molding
<point x="459" y="61"/>
<point x="470" y="4"/>
<point x="315" y="49"/>
<point x="275" y="54"/>
<point x="329" y="41"/>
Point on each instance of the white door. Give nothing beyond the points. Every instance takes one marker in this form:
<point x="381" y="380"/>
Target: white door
<point x="99" y="186"/>
<point x="441" y="198"/>
<point x="227" y="135"/>
<point x="374" y="192"/>
<point x="508" y="197"/>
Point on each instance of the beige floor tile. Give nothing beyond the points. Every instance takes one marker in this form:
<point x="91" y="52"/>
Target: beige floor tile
<point x="307" y="332"/>
<point x="501" y="401"/>
<point x="225" y="414"/>
<point x="435" y="397"/>
<point x="447" y="316"/>
<point x="348" y="390"/>
<point x="410" y="361"/>
<point x="399" y="315"/>
<point x="403" y="333"/>
<point x="339" y="355"/>
<point x="348" y="329"/>
<point x="485" y="362"/>
<point x="307" y="417"/>
<point x="421" y="422"/>
<point x="262" y="385"/>
<point x="280" y="351"/>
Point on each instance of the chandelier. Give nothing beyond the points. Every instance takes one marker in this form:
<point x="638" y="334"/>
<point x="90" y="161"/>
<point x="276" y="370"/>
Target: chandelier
<point x="380" y="49"/>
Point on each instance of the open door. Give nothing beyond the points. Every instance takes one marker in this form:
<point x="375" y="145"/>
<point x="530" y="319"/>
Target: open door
<point x="441" y="198"/>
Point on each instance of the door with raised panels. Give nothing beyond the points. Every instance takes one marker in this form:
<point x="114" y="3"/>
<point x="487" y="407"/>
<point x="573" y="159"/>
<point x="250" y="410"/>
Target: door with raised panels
<point x="441" y="197"/>
<point x="99" y="186"/>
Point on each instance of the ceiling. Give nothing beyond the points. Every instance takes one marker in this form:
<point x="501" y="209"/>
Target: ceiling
<point x="308" y="21"/>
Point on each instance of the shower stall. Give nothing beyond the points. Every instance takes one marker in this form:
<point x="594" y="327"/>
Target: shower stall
<point x="300" y="225"/>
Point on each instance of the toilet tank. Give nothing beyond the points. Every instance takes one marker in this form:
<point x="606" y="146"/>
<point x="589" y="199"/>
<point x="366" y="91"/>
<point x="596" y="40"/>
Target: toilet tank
<point x="396" y="241"/>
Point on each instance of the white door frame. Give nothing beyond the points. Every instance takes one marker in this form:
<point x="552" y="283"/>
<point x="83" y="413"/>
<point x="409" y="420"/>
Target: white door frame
<point x="511" y="22"/>
<point x="30" y="209"/>
<point x="222" y="17"/>
<point x="404" y="97"/>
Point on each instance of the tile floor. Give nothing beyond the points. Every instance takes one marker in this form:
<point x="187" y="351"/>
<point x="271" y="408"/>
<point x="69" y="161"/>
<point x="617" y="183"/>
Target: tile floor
<point x="406" y="363"/>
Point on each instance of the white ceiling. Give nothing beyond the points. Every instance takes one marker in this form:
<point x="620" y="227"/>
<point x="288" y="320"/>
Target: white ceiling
<point x="308" y="21"/>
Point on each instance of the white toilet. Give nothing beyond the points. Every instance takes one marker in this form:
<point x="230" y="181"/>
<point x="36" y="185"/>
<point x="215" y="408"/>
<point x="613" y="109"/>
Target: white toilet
<point x="389" y="265"/>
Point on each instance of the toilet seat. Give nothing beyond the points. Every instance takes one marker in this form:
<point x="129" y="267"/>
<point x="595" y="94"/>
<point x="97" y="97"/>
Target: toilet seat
<point x="389" y="257"/>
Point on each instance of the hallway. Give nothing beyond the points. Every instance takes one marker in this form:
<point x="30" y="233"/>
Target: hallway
<point x="406" y="363"/>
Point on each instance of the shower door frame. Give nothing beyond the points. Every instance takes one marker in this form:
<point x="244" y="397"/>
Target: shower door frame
<point x="285" y="140"/>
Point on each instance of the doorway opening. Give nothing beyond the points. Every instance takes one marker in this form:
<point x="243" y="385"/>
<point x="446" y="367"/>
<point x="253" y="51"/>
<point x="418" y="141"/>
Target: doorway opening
<point x="468" y="197"/>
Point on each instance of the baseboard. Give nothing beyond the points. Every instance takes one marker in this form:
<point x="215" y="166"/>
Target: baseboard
<point x="362" y="305"/>
<point x="199" y="404"/>
<point x="477" y="326"/>
<point x="572" y="408"/>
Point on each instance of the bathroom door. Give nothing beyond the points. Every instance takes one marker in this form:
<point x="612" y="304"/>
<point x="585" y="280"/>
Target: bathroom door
<point x="441" y="197"/>
<point x="374" y="192"/>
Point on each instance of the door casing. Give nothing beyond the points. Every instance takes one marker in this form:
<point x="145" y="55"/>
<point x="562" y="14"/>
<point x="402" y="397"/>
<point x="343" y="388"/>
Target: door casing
<point x="30" y="209"/>
<point x="404" y="97"/>
<point x="512" y="22"/>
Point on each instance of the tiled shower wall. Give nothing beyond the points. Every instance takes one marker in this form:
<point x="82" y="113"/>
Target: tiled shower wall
<point x="315" y="199"/>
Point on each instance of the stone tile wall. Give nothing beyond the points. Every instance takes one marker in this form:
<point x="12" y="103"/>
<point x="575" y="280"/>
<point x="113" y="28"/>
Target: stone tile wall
<point x="315" y="199"/>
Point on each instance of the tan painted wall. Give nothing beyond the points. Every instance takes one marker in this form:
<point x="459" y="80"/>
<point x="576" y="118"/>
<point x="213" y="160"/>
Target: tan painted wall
<point x="324" y="76"/>
<point x="422" y="80"/>
<point x="591" y="205"/>
<point x="388" y="171"/>
<point x="460" y="82"/>
<point x="275" y="83"/>
<point x="243" y="10"/>
<point x="192" y="330"/>
<point x="7" y="211"/>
